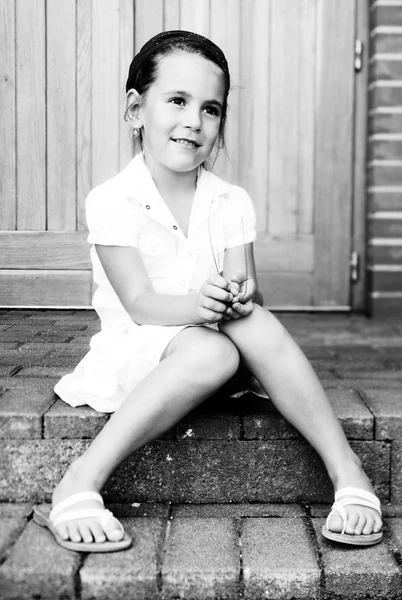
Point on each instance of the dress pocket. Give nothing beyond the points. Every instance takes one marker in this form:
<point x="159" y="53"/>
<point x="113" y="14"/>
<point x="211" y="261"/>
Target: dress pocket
<point x="158" y="251"/>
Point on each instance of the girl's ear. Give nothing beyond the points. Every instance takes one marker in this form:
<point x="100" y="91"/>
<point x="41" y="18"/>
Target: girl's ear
<point x="133" y="106"/>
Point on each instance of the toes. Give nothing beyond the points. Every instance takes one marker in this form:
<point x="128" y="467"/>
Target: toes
<point x="73" y="533"/>
<point x="98" y="533"/>
<point x="377" y="524"/>
<point x="85" y="533"/>
<point x="361" y="523"/>
<point x="114" y="531"/>
<point x="335" y="524"/>
<point x="353" y="520"/>
<point x="62" y="530"/>
<point x="368" y="528"/>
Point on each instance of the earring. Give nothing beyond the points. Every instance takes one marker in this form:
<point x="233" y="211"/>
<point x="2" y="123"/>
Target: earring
<point x="136" y="132"/>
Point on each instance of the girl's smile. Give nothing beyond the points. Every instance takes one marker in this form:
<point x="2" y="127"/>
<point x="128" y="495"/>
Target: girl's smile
<point x="181" y="113"/>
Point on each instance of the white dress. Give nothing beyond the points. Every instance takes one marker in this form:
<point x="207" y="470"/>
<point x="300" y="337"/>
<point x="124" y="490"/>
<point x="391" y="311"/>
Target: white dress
<point x="128" y="210"/>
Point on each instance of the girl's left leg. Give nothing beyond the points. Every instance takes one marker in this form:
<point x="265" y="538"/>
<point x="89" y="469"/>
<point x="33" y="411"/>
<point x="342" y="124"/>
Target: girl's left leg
<point x="284" y="372"/>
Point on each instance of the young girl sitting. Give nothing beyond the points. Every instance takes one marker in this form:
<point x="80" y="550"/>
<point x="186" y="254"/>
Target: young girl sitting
<point x="177" y="294"/>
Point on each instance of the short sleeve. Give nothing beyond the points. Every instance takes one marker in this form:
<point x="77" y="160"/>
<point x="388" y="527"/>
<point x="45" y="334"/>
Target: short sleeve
<point x="112" y="219"/>
<point x="240" y="218"/>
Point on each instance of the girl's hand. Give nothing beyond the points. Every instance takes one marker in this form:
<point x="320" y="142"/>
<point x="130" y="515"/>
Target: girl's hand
<point x="243" y="290"/>
<point x="212" y="299"/>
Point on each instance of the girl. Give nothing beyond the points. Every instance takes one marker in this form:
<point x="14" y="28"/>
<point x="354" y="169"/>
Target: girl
<point x="172" y="253"/>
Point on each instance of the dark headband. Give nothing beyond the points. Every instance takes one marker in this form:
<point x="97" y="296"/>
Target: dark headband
<point x="156" y="44"/>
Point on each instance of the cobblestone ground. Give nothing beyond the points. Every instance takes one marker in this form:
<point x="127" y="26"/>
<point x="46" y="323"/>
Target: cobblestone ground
<point x="229" y="504"/>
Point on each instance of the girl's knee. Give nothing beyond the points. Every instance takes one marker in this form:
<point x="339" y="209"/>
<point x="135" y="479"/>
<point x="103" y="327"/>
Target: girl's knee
<point x="212" y="356"/>
<point x="261" y="328"/>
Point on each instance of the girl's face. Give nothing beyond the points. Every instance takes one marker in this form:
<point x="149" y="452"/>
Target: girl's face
<point x="181" y="112"/>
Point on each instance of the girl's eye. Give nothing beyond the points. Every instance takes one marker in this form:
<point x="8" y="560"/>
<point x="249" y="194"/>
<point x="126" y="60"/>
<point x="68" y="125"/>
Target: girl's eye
<point x="179" y="101"/>
<point x="212" y="110"/>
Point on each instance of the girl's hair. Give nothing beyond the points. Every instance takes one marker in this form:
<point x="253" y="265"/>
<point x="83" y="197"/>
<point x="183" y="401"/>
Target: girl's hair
<point x="143" y="69"/>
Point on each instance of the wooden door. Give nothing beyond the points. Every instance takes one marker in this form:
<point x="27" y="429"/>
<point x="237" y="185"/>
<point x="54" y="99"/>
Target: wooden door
<point x="289" y="135"/>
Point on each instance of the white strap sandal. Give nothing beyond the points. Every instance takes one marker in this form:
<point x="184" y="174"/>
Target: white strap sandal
<point x="346" y="497"/>
<point x="59" y="515"/>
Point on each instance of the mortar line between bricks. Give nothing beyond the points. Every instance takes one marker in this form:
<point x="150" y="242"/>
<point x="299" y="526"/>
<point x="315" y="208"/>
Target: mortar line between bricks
<point x="77" y="576"/>
<point x="13" y="543"/>
<point x="239" y="527"/>
<point x="317" y="550"/>
<point x="361" y="395"/>
<point x="161" y="550"/>
<point x="43" y="418"/>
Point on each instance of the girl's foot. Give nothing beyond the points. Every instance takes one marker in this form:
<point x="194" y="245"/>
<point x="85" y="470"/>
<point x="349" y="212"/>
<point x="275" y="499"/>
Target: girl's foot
<point x="83" y="529"/>
<point x="361" y="520"/>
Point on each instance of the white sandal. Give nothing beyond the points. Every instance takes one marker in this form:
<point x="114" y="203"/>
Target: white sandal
<point x="345" y="497"/>
<point x="59" y="515"/>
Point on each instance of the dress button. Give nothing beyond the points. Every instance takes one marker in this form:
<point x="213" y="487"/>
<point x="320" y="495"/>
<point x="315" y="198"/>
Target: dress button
<point x="189" y="253"/>
<point x="147" y="207"/>
<point x="174" y="226"/>
<point x="155" y="248"/>
<point x="182" y="282"/>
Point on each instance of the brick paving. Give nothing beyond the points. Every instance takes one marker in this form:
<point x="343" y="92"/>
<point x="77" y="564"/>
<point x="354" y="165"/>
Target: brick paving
<point x="229" y="503"/>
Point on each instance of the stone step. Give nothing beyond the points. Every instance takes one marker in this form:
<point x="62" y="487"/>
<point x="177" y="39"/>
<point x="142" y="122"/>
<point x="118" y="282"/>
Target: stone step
<point x="201" y="552"/>
<point x="228" y="450"/>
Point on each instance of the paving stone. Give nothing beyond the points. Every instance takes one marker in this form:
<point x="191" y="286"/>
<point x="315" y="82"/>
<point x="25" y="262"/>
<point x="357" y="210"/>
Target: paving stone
<point x="358" y="572"/>
<point x="8" y="370"/>
<point x="36" y="371"/>
<point x="356" y="419"/>
<point x="64" y="421"/>
<point x="396" y="472"/>
<point x="278" y="560"/>
<point x="10" y="529"/>
<point x="386" y="406"/>
<point x="209" y="427"/>
<point x="361" y="384"/>
<point x="238" y="510"/>
<point x="27" y="354"/>
<point x="199" y="471"/>
<point x="22" y="410"/>
<point x="394" y="527"/>
<point x="38" y="567"/>
<point x="129" y="574"/>
<point x="14" y="510"/>
<point x="388" y="510"/>
<point x="387" y="375"/>
<point x="15" y="382"/>
<point x="140" y="509"/>
<point x="201" y="560"/>
<point x="74" y="350"/>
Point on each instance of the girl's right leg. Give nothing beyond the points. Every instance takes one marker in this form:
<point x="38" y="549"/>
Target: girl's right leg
<point x="196" y="363"/>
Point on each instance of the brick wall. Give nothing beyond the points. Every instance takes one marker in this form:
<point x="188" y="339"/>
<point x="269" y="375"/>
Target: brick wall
<point x="385" y="159"/>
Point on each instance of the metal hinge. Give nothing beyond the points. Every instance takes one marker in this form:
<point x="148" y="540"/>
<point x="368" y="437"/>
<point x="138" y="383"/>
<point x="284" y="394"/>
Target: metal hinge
<point x="358" y="55"/>
<point x="354" y="267"/>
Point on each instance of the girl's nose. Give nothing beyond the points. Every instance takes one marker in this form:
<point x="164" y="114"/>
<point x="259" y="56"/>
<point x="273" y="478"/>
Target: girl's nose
<point x="192" y="120"/>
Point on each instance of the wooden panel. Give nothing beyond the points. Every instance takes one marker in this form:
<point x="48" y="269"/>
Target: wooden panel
<point x="360" y="207"/>
<point x="148" y="21"/>
<point x="60" y="85"/>
<point x="7" y="116"/>
<point x="171" y="15"/>
<point x="283" y="117"/>
<point x="105" y="90"/>
<point x="284" y="253"/>
<point x="225" y="32"/>
<point x="334" y="157"/>
<point x="306" y="115"/>
<point x="282" y="290"/>
<point x="195" y="16"/>
<point x="291" y="116"/>
<point x="126" y="150"/>
<point x="253" y="117"/>
<point x="31" y="108"/>
<point x="44" y="250"/>
<point x="84" y="107"/>
<point x="45" y="288"/>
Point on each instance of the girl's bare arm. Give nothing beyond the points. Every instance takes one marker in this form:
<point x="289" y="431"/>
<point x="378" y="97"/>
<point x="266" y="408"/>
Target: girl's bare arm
<point x="127" y="275"/>
<point x="239" y="264"/>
